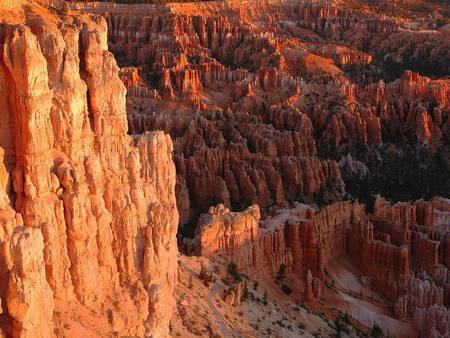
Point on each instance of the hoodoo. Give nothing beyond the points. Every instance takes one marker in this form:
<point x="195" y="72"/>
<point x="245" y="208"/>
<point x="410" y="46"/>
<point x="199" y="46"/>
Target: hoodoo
<point x="224" y="168"/>
<point x="89" y="213"/>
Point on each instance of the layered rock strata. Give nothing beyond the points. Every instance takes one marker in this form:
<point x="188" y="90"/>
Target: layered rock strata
<point x="251" y="105"/>
<point x="302" y="239"/>
<point x="409" y="272"/>
<point x="425" y="225"/>
<point x="193" y="51"/>
<point x="89" y="214"/>
<point x="238" y="238"/>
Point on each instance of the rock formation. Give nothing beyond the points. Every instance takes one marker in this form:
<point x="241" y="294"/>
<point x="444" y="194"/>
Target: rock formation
<point x="261" y="98"/>
<point x="235" y="95"/>
<point x="161" y="41"/>
<point x="88" y="212"/>
<point x="237" y="237"/>
<point x="233" y="295"/>
<point x="410" y="273"/>
<point x="30" y="298"/>
<point x="432" y="321"/>
<point x="301" y="238"/>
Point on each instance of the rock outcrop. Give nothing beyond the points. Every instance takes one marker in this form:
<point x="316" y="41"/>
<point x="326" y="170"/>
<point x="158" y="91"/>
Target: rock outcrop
<point x="237" y="159"/>
<point x="433" y="321"/>
<point x="238" y="238"/>
<point x="88" y="212"/>
<point x="260" y="98"/>
<point x="302" y="239"/>
<point x="423" y="294"/>
<point x="233" y="295"/>
<point x="410" y="272"/>
<point x="29" y="296"/>
<point x="251" y="105"/>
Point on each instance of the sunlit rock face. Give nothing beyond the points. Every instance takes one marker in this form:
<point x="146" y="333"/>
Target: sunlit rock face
<point x="252" y="54"/>
<point x="252" y="93"/>
<point x="261" y="99"/>
<point x="30" y="298"/>
<point x="88" y="213"/>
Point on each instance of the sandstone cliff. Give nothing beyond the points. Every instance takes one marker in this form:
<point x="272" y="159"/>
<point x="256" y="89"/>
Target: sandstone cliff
<point x="403" y="260"/>
<point x="88" y="213"/>
<point x="302" y="239"/>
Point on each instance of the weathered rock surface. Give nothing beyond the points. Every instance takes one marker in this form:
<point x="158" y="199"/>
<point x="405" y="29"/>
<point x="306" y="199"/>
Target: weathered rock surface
<point x="89" y="213"/>
<point x="251" y="93"/>
<point x="233" y="295"/>
<point x="237" y="159"/>
<point x="237" y="237"/>
<point x="433" y="321"/>
<point x="254" y="97"/>
<point x="29" y="296"/>
<point x="409" y="270"/>
<point x="301" y="238"/>
<point x="253" y="68"/>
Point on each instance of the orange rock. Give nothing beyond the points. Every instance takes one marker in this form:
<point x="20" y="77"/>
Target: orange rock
<point x="98" y="206"/>
<point x="29" y="297"/>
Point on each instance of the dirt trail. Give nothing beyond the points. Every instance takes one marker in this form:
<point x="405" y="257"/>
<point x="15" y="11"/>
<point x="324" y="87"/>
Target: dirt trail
<point x="220" y="319"/>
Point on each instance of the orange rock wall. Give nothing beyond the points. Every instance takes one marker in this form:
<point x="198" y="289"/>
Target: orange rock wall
<point x="91" y="206"/>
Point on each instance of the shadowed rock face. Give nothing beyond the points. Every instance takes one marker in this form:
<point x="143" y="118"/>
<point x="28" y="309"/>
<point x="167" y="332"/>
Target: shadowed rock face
<point x="391" y="247"/>
<point x="87" y="211"/>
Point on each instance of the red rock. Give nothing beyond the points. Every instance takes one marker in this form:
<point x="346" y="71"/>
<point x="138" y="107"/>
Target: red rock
<point x="101" y="203"/>
<point x="433" y="321"/>
<point x="423" y="294"/>
<point x="306" y="240"/>
<point x="400" y="307"/>
<point x="386" y="264"/>
<point x="246" y="94"/>
<point x="402" y="213"/>
<point x="233" y="295"/>
<point x="425" y="253"/>
<point x="252" y="162"/>
<point x="29" y="297"/>
<point x="300" y="238"/>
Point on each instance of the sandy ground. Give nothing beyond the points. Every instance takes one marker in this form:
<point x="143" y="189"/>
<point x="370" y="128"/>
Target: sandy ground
<point x="350" y="293"/>
<point x="201" y="311"/>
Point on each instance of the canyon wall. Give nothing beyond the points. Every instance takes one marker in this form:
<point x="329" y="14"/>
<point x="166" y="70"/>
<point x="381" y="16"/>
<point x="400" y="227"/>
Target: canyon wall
<point x="88" y="213"/>
<point x="237" y="237"/>
<point x="411" y="273"/>
<point x="255" y="93"/>
<point x="301" y="238"/>
<point x="250" y="106"/>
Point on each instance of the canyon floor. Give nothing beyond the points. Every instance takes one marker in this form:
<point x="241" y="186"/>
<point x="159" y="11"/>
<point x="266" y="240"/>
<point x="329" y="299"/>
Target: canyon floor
<point x="343" y="311"/>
